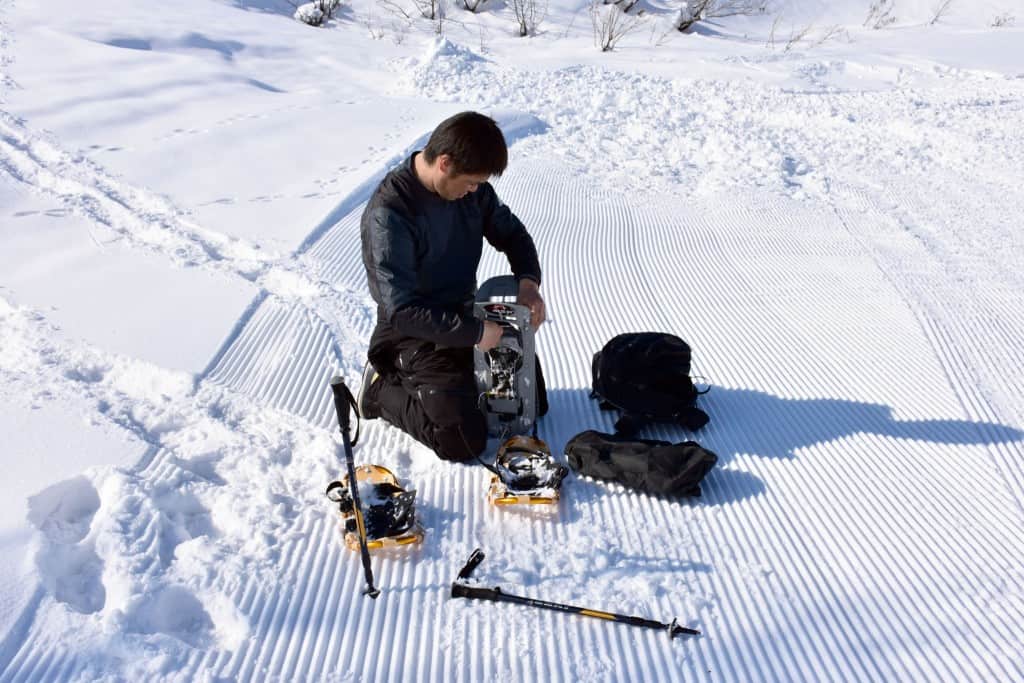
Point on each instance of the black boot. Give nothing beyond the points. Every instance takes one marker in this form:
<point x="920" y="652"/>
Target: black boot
<point x="368" y="407"/>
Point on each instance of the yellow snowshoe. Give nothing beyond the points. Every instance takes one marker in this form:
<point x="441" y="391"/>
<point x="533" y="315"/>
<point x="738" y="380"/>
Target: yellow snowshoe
<point x="389" y="511"/>
<point x="525" y="474"/>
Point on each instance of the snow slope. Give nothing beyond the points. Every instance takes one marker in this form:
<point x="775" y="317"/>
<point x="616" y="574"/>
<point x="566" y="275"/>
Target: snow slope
<point x="834" y="228"/>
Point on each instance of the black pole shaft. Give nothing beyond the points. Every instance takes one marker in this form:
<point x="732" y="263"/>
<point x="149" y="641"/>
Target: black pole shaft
<point x="342" y="402"/>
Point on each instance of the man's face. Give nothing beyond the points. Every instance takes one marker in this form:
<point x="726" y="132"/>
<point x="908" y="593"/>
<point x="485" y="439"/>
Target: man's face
<point x="451" y="185"/>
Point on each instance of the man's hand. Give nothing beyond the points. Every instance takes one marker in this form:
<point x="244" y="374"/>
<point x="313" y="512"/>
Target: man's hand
<point x="529" y="296"/>
<point x="491" y="337"/>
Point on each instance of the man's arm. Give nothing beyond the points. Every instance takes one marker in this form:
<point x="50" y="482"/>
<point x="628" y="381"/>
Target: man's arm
<point x="390" y="259"/>
<point x="507" y="234"/>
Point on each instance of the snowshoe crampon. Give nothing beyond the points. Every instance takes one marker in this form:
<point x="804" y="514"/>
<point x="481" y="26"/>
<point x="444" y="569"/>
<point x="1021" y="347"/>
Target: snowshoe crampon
<point x="506" y="375"/>
<point x="527" y="474"/>
<point x="389" y="511"/>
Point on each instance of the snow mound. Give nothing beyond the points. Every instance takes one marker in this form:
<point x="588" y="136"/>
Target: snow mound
<point x="442" y="48"/>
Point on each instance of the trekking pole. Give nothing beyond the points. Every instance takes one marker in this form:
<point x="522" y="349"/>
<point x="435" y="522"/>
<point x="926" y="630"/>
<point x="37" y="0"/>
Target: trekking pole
<point x="461" y="590"/>
<point x="343" y="400"/>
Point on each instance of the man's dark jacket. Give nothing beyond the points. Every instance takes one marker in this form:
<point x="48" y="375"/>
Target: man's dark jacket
<point x="421" y="254"/>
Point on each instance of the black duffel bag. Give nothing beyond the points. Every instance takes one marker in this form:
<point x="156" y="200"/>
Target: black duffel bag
<point x="647" y="465"/>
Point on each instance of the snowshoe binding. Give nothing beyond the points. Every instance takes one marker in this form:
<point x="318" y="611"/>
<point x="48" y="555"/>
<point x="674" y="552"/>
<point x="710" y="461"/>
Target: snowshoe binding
<point x="506" y="375"/>
<point x="389" y="511"/>
<point x="525" y="474"/>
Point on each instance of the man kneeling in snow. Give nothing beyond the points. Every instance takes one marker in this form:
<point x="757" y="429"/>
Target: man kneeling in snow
<point x="422" y="235"/>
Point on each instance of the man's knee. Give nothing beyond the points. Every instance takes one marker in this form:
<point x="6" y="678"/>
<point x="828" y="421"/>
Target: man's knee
<point x="460" y="428"/>
<point x="460" y="442"/>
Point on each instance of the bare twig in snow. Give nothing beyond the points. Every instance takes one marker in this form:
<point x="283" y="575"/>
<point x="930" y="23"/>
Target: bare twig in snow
<point x="700" y="10"/>
<point x="939" y="11"/>
<point x="610" y="24"/>
<point x="831" y="32"/>
<point x="880" y="14"/>
<point x="394" y="8"/>
<point x="795" y="36"/>
<point x="317" y="12"/>
<point x="1004" y="19"/>
<point x="429" y="9"/>
<point x="770" y="43"/>
<point x="529" y="14"/>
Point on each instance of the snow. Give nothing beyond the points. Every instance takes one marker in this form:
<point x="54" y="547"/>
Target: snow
<point x="832" y="223"/>
<point x="55" y="261"/>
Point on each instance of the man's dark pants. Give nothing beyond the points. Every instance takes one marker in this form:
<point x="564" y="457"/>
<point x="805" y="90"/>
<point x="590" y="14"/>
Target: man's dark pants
<point x="429" y="392"/>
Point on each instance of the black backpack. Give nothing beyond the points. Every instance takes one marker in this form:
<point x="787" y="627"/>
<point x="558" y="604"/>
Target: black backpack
<point x="657" y="467"/>
<point x="646" y="375"/>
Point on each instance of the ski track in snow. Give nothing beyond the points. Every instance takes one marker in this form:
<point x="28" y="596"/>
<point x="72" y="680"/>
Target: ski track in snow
<point x="851" y="591"/>
<point x="855" y="528"/>
<point x="141" y="218"/>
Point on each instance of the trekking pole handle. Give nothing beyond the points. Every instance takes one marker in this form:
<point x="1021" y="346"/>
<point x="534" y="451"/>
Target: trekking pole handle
<point x="461" y="590"/>
<point x="472" y="563"/>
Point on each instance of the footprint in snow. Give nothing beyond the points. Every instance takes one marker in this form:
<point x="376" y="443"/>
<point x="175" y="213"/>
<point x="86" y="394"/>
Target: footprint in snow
<point x="68" y="565"/>
<point x="182" y="518"/>
<point x="90" y="374"/>
<point x="64" y="511"/>
<point x="174" y="611"/>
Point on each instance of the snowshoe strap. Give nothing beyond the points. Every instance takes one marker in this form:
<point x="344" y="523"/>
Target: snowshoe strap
<point x="541" y="472"/>
<point x="338" y="493"/>
<point x="492" y="468"/>
<point x="529" y="478"/>
<point x="393" y="517"/>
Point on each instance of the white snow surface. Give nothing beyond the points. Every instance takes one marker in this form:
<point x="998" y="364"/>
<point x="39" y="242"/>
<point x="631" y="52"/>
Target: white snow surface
<point x="833" y="223"/>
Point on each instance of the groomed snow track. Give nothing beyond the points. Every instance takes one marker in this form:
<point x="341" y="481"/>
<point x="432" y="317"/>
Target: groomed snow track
<point x="864" y="522"/>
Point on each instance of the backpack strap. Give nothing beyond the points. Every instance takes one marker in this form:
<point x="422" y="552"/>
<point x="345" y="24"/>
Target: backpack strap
<point x="629" y="424"/>
<point x="693" y="418"/>
<point x="602" y="402"/>
<point x="704" y="381"/>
